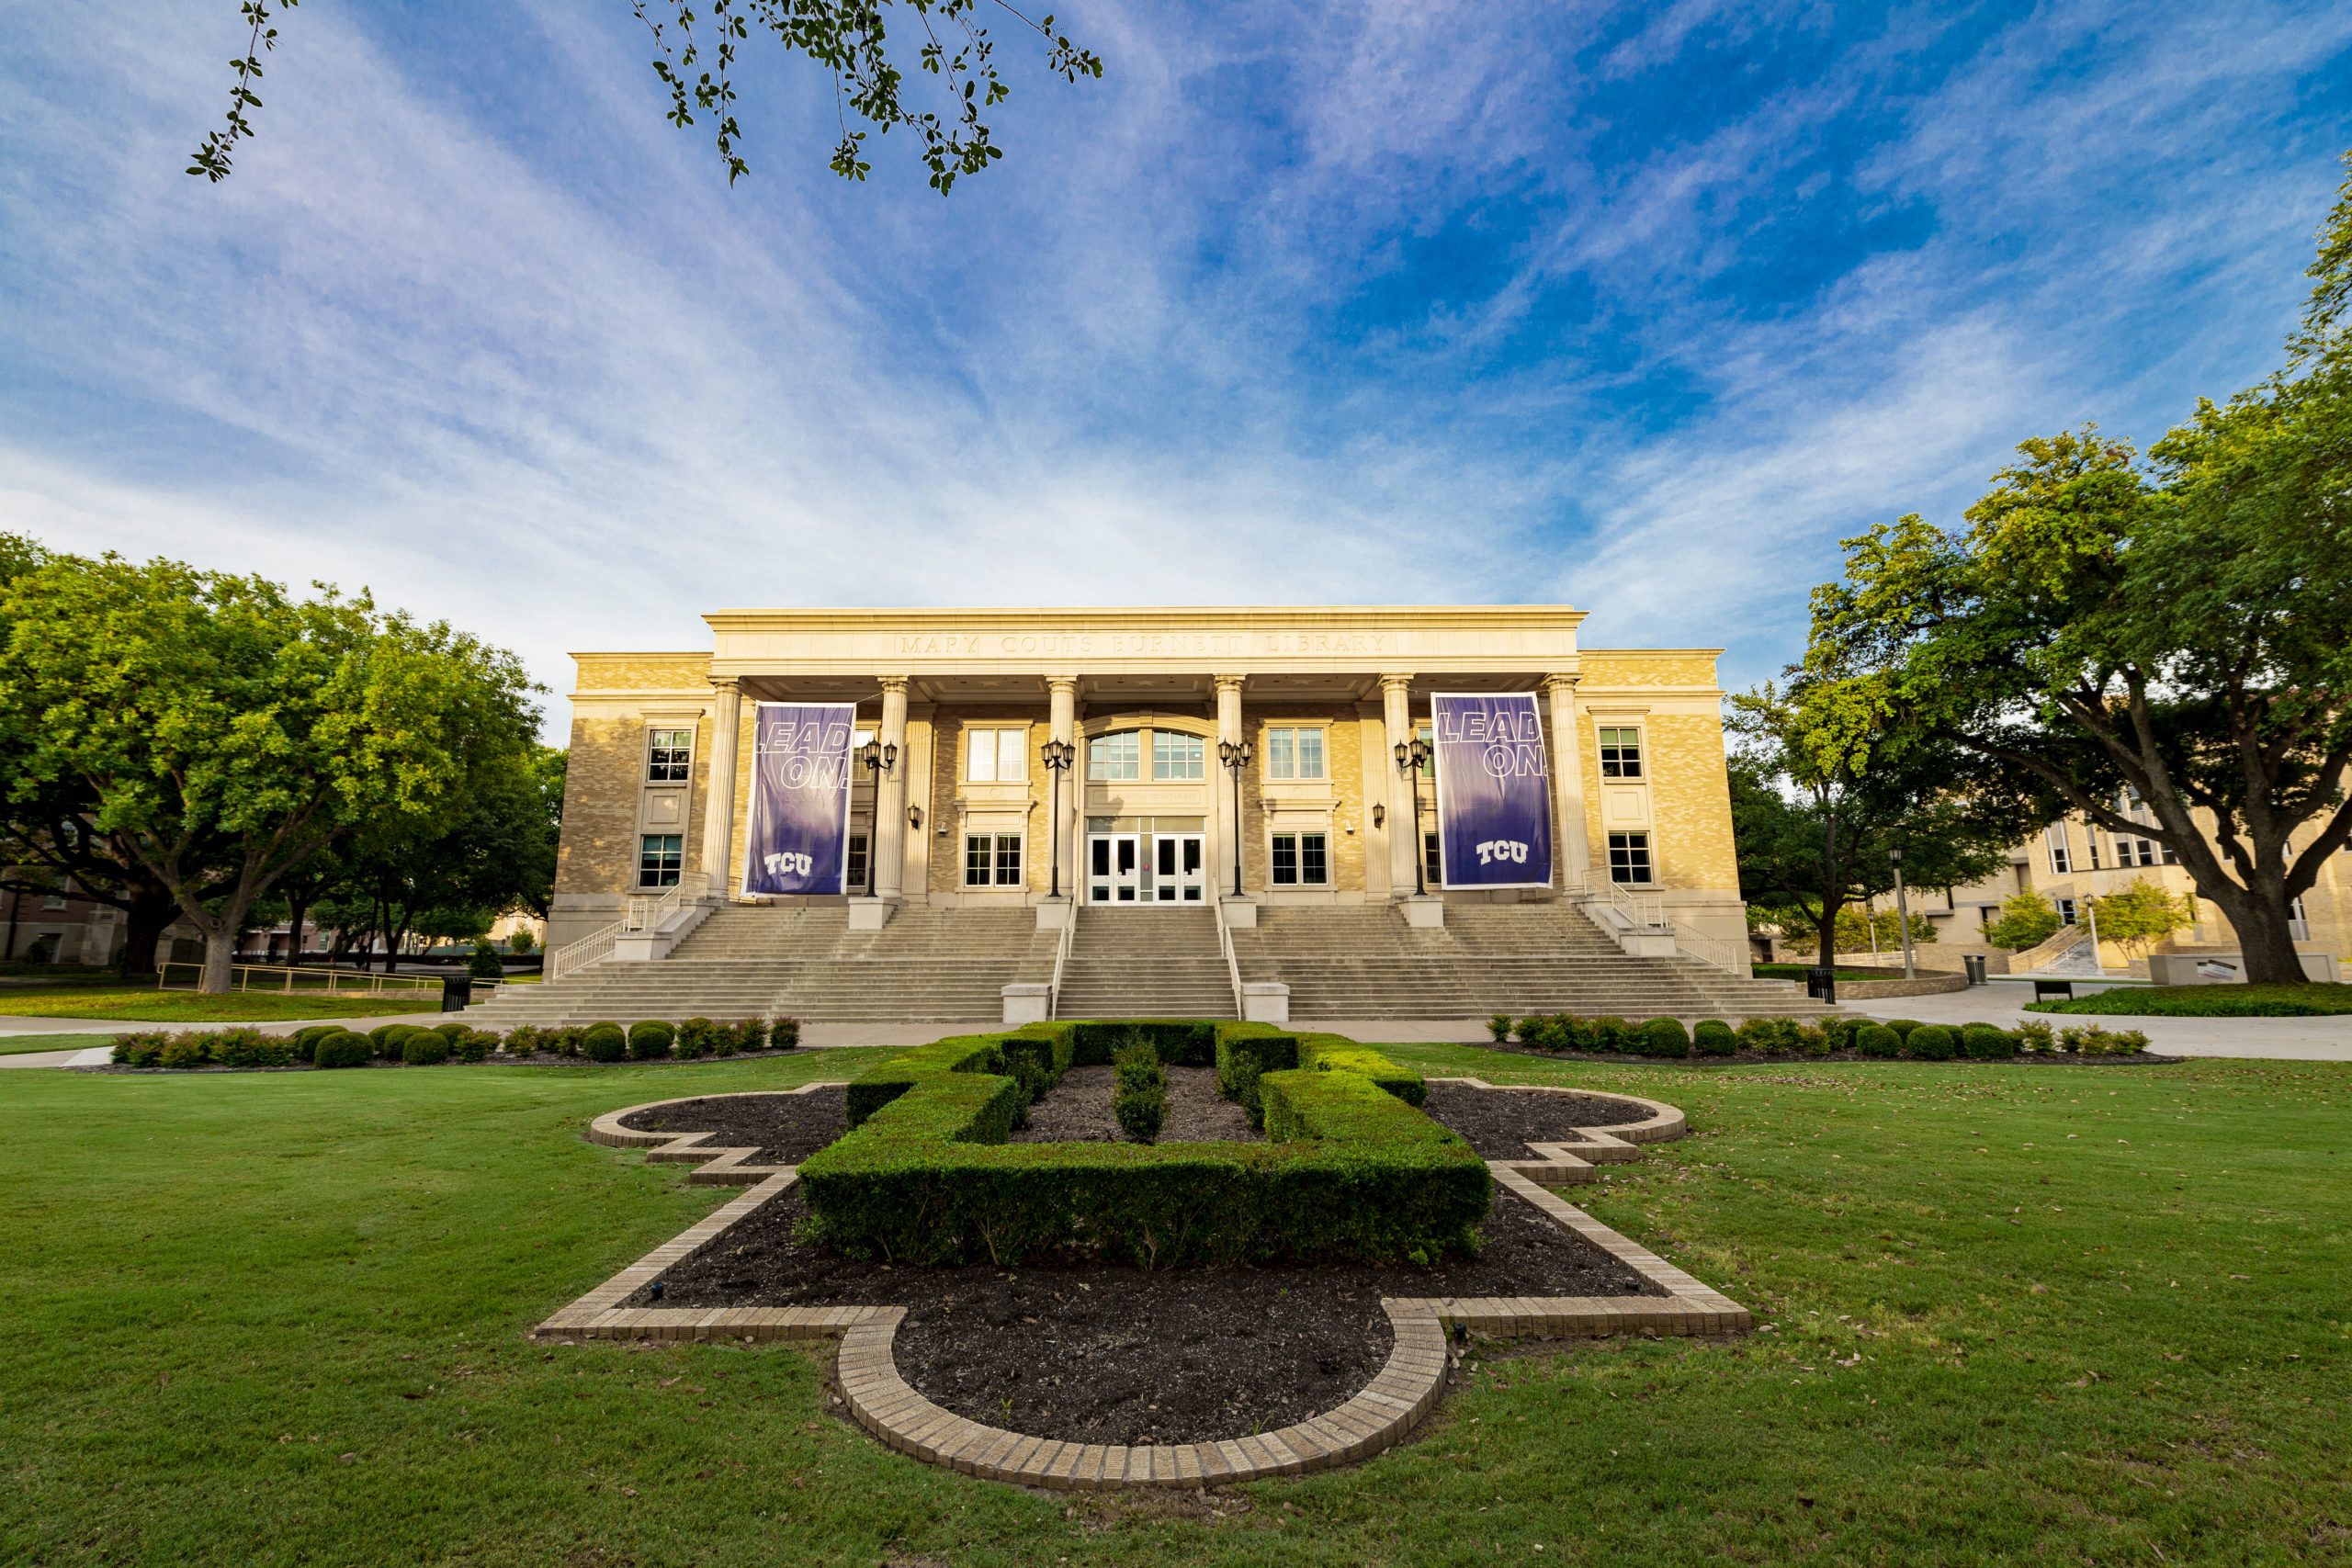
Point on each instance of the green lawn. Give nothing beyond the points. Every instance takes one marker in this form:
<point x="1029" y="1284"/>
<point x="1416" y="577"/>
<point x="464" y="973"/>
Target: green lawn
<point x="24" y="1045"/>
<point x="2208" y="1001"/>
<point x="148" y="1005"/>
<point x="2019" y="1312"/>
<point x="1799" y="971"/>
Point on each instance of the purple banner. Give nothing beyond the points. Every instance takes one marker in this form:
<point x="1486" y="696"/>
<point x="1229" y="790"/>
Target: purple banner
<point x="798" y="837"/>
<point x="1494" y="791"/>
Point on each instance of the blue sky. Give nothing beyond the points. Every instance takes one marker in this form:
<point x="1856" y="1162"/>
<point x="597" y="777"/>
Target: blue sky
<point x="1637" y="308"/>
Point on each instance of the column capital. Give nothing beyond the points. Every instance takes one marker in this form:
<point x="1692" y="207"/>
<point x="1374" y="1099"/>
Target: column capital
<point x="727" y="685"/>
<point x="1061" y="684"/>
<point x="1563" y="679"/>
<point x="895" y="684"/>
<point x="1396" y="682"/>
<point x="1228" y="682"/>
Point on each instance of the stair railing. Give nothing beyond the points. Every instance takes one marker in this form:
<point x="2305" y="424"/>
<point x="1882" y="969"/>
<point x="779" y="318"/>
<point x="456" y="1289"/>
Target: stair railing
<point x="1647" y="911"/>
<point x="1729" y="957"/>
<point x="593" y="948"/>
<point x="647" y="914"/>
<point x="1232" y="964"/>
<point x="1061" y="958"/>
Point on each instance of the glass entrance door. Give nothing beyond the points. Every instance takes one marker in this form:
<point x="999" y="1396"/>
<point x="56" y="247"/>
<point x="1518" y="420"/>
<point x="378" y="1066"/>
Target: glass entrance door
<point x="1114" y="869"/>
<point x="1176" y="868"/>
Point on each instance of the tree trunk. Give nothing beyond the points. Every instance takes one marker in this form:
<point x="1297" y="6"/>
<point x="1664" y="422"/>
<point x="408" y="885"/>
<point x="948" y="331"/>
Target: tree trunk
<point x="2265" y="940"/>
<point x="1830" y="902"/>
<point x="299" y="906"/>
<point x="144" y="921"/>
<point x="220" y="958"/>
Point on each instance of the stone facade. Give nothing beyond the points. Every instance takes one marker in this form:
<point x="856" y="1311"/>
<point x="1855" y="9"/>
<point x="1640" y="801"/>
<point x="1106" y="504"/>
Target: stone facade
<point x="1359" y="679"/>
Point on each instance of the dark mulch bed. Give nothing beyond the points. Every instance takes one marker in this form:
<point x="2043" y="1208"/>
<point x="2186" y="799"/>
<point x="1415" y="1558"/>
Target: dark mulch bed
<point x="1077" y="1111"/>
<point x="1746" y="1058"/>
<point x="1096" y="1353"/>
<point x="786" y="1128"/>
<point x="1500" y="1123"/>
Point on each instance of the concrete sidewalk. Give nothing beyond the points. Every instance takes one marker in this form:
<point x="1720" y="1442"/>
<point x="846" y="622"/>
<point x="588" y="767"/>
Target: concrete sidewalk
<point x="2003" y="1003"/>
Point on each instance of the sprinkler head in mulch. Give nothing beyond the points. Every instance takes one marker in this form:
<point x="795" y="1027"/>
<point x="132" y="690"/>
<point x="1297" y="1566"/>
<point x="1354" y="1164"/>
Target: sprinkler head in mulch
<point x="658" y="1286"/>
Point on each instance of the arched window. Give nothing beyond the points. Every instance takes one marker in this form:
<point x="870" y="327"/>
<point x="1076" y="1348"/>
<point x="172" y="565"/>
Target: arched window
<point x="1116" y="756"/>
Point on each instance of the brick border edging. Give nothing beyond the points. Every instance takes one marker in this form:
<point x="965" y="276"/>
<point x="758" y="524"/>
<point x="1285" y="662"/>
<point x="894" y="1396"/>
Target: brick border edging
<point x="1376" y="1418"/>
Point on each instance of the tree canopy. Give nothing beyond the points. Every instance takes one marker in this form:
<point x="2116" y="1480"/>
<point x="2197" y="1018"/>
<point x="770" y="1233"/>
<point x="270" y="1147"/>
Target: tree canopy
<point x="2176" y="633"/>
<point x="695" y="55"/>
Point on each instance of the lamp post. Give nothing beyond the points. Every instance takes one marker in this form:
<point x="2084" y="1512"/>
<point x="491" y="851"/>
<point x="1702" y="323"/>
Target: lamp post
<point x="1058" y="755"/>
<point x="1235" y="755"/>
<point x="1410" y="755"/>
<point x="879" y="759"/>
<point x="1902" y="912"/>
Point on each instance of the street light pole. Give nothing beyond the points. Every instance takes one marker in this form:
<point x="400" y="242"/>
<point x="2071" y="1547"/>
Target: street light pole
<point x="879" y="759"/>
<point x="1058" y="755"/>
<point x="1410" y="755"/>
<point x="1235" y="755"/>
<point x="1901" y="912"/>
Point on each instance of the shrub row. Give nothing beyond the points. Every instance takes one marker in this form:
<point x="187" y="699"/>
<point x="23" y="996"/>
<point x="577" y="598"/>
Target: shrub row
<point x="1352" y="1171"/>
<point x="1784" y="1036"/>
<point x="1139" y="1092"/>
<point x="429" y="1045"/>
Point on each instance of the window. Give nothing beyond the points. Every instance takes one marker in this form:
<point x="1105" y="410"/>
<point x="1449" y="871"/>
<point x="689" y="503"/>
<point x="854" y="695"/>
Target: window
<point x="2065" y="911"/>
<point x="2092" y="834"/>
<point x="992" y="859"/>
<point x="1621" y="754"/>
<point x="1175" y="756"/>
<point x="1629" y="857"/>
<point x="1295" y="753"/>
<point x="1301" y="860"/>
<point x="669" y="755"/>
<point x="1428" y="738"/>
<point x="1432" y="864"/>
<point x="853" y="868"/>
<point x="997" y="756"/>
<point x="2061" y="862"/>
<point x="660" y="857"/>
<point x="2144" y="851"/>
<point x="1117" y="756"/>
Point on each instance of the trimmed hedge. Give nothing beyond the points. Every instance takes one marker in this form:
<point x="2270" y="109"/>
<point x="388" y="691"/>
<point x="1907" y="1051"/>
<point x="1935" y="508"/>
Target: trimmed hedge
<point x="1665" y="1037"/>
<point x="1338" y="1053"/>
<point x="603" y="1042"/>
<point x="426" y="1048"/>
<point x="1247" y="1052"/>
<point x="342" y="1048"/>
<point x="1986" y="1042"/>
<point x="1353" y="1171"/>
<point x="1877" y="1040"/>
<point x="1713" y="1038"/>
<point x="1931" y="1043"/>
<point x="651" y="1038"/>
<point x="1139" y="1095"/>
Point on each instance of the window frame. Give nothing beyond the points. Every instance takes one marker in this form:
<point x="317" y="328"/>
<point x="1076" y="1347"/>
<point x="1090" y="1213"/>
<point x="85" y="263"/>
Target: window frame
<point x="1614" y="767"/>
<point x="996" y="752"/>
<point x="854" y="855"/>
<point x="1134" y="761"/>
<point x="660" y="868"/>
<point x="669" y="764"/>
<point x="1195" y="750"/>
<point x="1320" y="728"/>
<point x="1297" y="839"/>
<point x="999" y="863"/>
<point x="1646" y="851"/>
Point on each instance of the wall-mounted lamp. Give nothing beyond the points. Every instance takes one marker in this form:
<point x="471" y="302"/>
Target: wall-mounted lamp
<point x="1379" y="816"/>
<point x="914" y="818"/>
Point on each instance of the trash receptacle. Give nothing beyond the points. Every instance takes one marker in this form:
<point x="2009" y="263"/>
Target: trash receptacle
<point x="456" y="992"/>
<point x="1975" y="963"/>
<point x="1821" y="984"/>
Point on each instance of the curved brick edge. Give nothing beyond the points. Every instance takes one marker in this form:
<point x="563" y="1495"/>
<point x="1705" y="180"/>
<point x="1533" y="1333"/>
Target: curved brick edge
<point x="1379" y="1416"/>
<point x="721" y="1166"/>
<point x="1649" y="1122"/>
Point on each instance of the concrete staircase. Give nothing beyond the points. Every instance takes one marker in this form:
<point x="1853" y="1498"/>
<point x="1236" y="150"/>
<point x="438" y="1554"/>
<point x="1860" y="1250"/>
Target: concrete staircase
<point x="1145" y="964"/>
<point x="929" y="965"/>
<point x="1364" y="962"/>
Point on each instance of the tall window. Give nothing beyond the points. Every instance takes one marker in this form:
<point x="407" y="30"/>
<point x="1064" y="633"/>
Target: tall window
<point x="2144" y="851"/>
<point x="1301" y="860"/>
<point x="1174" y="756"/>
<point x="1115" y="757"/>
<point x="1620" y="753"/>
<point x="1432" y="863"/>
<point x="992" y="859"/>
<point x="669" y="755"/>
<point x="853" y="868"/>
<point x="1629" y="857"/>
<point x="2067" y="911"/>
<point x="997" y="756"/>
<point x="1429" y="762"/>
<point x="660" y="857"/>
<point x="1295" y="751"/>
<point x="2061" y="862"/>
<point x="2092" y="834"/>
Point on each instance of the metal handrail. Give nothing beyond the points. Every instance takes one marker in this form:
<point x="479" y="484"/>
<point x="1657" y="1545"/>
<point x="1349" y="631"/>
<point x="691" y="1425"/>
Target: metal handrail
<point x="1647" y="910"/>
<point x="647" y="914"/>
<point x="1730" y="956"/>
<point x="242" y="978"/>
<point x="1061" y="956"/>
<point x="593" y="948"/>
<point x="1232" y="964"/>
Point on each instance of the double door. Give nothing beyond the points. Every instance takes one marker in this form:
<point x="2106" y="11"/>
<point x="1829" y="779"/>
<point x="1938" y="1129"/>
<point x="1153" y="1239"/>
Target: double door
<point x="1144" y="868"/>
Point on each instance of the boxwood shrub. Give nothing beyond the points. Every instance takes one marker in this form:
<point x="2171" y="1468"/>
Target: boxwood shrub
<point x="1987" y="1043"/>
<point x="1338" y="1053"/>
<point x="1713" y="1038"/>
<point x="1930" y="1043"/>
<point x="651" y="1038"/>
<point x="1139" y="1092"/>
<point x="1877" y="1040"/>
<point x="342" y="1048"/>
<point x="1904" y="1026"/>
<point x="1663" y="1037"/>
<point x="784" y="1034"/>
<point x="604" y="1043"/>
<point x="424" y="1048"/>
<point x="1350" y="1170"/>
<point x="1247" y="1052"/>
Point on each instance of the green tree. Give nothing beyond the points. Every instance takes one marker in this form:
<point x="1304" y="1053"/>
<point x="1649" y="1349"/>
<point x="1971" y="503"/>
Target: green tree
<point x="2027" y="919"/>
<point x="2140" y="915"/>
<point x="1821" y="792"/>
<point x="2182" y="633"/>
<point x="227" y="732"/>
<point x="848" y="38"/>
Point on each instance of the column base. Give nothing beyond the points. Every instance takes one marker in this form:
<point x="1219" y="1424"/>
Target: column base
<point x="1053" y="913"/>
<point x="1239" y="910"/>
<point x="1424" y="910"/>
<point x="871" y="914"/>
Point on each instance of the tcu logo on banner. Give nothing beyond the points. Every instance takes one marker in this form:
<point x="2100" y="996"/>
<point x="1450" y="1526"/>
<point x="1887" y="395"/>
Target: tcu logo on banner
<point x="798" y="840"/>
<point x="1494" y="791"/>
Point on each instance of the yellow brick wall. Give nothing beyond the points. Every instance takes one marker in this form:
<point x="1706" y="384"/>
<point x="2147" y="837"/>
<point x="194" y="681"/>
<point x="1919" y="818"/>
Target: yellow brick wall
<point x="1690" y="801"/>
<point x="948" y="725"/>
<point x="1343" y="760"/>
<point x="597" y="852"/>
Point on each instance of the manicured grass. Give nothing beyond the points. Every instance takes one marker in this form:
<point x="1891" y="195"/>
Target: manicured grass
<point x="150" y="1006"/>
<point x="25" y="1045"/>
<point x="2209" y="1001"/>
<point x="1799" y="971"/>
<point x="1976" y="1320"/>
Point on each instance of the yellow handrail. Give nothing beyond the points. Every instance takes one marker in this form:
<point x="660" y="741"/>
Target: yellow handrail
<point x="323" y="979"/>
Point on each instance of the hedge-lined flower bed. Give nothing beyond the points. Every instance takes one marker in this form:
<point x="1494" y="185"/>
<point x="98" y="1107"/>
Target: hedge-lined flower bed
<point x="1350" y="1170"/>
<point x="338" y="1045"/>
<point x="1863" y="1037"/>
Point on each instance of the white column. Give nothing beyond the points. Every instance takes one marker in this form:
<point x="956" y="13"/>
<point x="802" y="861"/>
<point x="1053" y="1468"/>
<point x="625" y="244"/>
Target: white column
<point x="1062" y="723"/>
<point x="718" y="804"/>
<point x="1568" y="783"/>
<point x="1404" y="832"/>
<point x="1227" y="824"/>
<point x="889" y="844"/>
